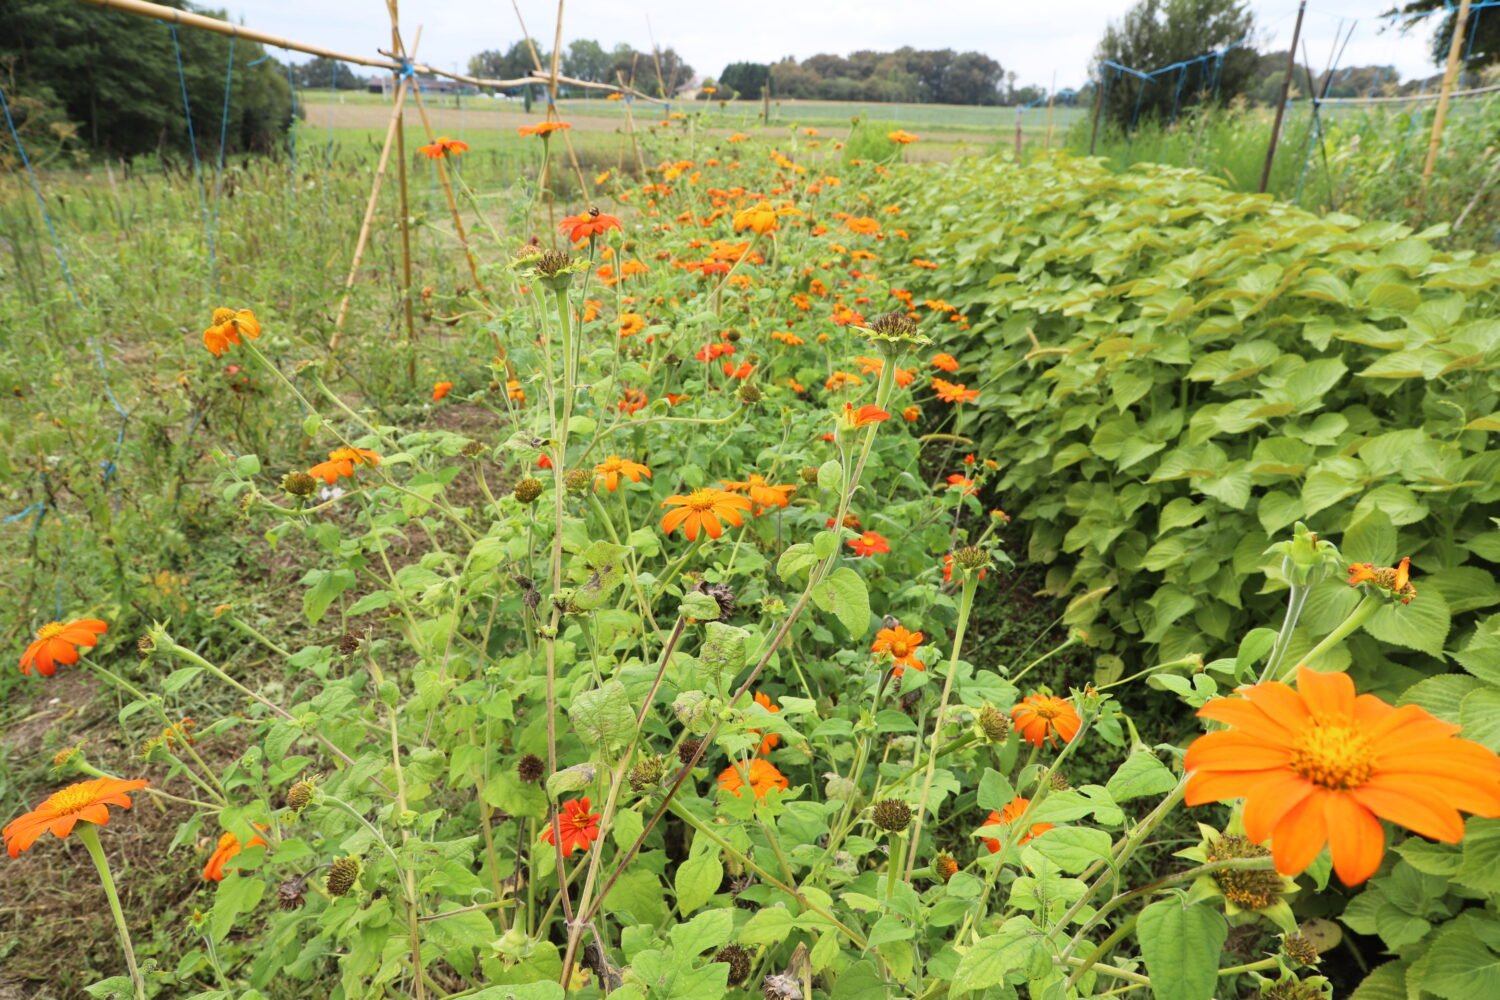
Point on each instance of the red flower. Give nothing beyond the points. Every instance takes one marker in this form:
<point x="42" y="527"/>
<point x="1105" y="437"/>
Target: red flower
<point x="869" y="544"/>
<point x="443" y="146"/>
<point x="867" y="414"/>
<point x="578" y="826"/>
<point x="588" y="225"/>
<point x="440" y="389"/>
<point x="743" y="371"/>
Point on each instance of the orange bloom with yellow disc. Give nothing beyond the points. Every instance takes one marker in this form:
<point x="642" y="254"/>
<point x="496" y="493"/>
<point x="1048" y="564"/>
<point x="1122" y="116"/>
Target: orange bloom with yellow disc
<point x="443" y="146"/>
<point x="1321" y="765"/>
<point x="761" y="493"/>
<point x="543" y="129"/>
<point x="704" y="511"/>
<point x="759" y="219"/>
<point x="341" y="462"/>
<point x="612" y="468"/>
<point x="227" y="328"/>
<point x="84" y="802"/>
<point x="763" y="776"/>
<point x="1013" y="811"/>
<point x="954" y="392"/>
<point x="228" y="847"/>
<point x="901" y="137"/>
<point x="902" y="644"/>
<point x="57" y="643"/>
<point x="1042" y="718"/>
<point x="769" y="741"/>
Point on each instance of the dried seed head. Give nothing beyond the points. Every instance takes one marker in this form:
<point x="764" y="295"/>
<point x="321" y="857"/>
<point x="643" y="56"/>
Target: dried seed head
<point x="781" y="987"/>
<point x="891" y="815"/>
<point x="722" y="593"/>
<point x="578" y="480"/>
<point x="530" y="768"/>
<point x="291" y="894"/>
<point x="647" y="774"/>
<point x="749" y="394"/>
<point x="473" y="449"/>
<point x="972" y="557"/>
<point x="1291" y="989"/>
<point x="1300" y="949"/>
<point x="688" y="749"/>
<point x="995" y="723"/>
<point x="893" y="326"/>
<point x="1059" y="782"/>
<point x="738" y="960"/>
<point x="527" y="490"/>
<point x="810" y="474"/>
<point x="1247" y="888"/>
<point x="300" y="795"/>
<point x="146" y="644"/>
<point x="342" y="875"/>
<point x="945" y="866"/>
<point x="553" y="262"/>
<point x="299" y="484"/>
<point x="348" y="643"/>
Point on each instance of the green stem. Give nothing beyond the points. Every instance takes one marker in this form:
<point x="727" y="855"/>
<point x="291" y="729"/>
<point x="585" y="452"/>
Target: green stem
<point x="1362" y="613"/>
<point x="1100" y="952"/>
<point x="89" y="834"/>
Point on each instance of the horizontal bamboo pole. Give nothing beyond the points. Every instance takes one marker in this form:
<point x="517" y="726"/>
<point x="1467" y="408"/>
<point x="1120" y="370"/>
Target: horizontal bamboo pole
<point x="1408" y="99"/>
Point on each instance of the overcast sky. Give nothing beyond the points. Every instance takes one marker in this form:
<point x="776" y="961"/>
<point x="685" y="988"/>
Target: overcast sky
<point x="1033" y="39"/>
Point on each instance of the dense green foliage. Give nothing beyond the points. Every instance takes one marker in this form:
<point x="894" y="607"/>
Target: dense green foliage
<point x="660" y="73"/>
<point x="938" y="76"/>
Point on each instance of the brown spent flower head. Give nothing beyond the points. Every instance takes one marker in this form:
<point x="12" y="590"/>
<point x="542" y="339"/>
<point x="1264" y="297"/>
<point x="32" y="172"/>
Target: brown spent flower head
<point x="527" y="490"/>
<point x="1291" y="989"/>
<point x="810" y="474"/>
<point x="781" y="986"/>
<point x="146" y="644"/>
<point x="1300" y="949"/>
<point x="553" y="262"/>
<point x="300" y="795"/>
<point x="348" y="643"/>
<point x="299" y="484"/>
<point x="891" y="815"/>
<point x="1247" y="888"/>
<point x="291" y="894"/>
<point x="749" y="394"/>
<point x="530" y="768"/>
<point x="994" y="723"/>
<point x="720" y="592"/>
<point x="578" y="480"/>
<point x="342" y="875"/>
<point x="945" y="866"/>
<point x="895" y="326"/>
<point x="1059" y="782"/>
<point x="473" y="449"/>
<point x="647" y="774"/>
<point x="738" y="960"/>
<point x="688" y="749"/>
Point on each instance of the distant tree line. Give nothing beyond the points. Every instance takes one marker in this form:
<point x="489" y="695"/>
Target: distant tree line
<point x="939" y="76"/>
<point x="326" y="74"/>
<point x="660" y="74"/>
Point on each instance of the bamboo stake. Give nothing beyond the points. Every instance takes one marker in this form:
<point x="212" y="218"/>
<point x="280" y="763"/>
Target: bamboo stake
<point x="640" y="161"/>
<point x="1051" y="96"/>
<point x="1286" y="87"/>
<point x="551" y="79"/>
<point x="411" y="329"/>
<point x="1440" y="117"/>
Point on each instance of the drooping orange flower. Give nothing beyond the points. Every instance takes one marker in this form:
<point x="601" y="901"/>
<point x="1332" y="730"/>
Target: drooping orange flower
<point x="588" y="225"/>
<point x="632" y="401"/>
<point x="954" y="392"/>
<point x="1320" y="765"/>
<point x="228" y="847"/>
<point x="609" y="471"/>
<point x="926" y="265"/>
<point x="440" y="389"/>
<point x="842" y="380"/>
<point x="738" y="137"/>
<point x="763" y="777"/>
<point x="787" y="337"/>
<point x="901" y="137"/>
<point x="759" y="219"/>
<point x="957" y="481"/>
<point x="869" y="544"/>
<point x="1043" y="718"/>
<point x="542" y="129"/>
<point x="631" y="324"/>
<point x="945" y="362"/>
<point x="341" y="462"/>
<point x="761" y="493"/>
<point x="911" y="414"/>
<point x="902" y="644"/>
<point x="441" y="147"/>
<point x="1005" y="817"/>
<point x="703" y="510"/>
<point x="862" y="225"/>
<point x="864" y="416"/>
<point x="578" y="826"/>
<point x="1392" y="580"/>
<point x="57" y="642"/>
<point x="227" y="327"/>
<point x="85" y="801"/>
<point x="769" y="741"/>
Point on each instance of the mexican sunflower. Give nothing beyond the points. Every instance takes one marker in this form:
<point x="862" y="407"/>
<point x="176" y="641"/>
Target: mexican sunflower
<point x="229" y="845"/>
<point x="769" y="741"/>
<point x="440" y="389"/>
<point x="612" y="468"/>
<point x="902" y="644"/>
<point x="759" y="219"/>
<point x="703" y="510"/>
<point x="945" y="362"/>
<point x="901" y="137"/>
<point x="439" y="148"/>
<point x="868" y="544"/>
<point x="587" y="225"/>
<point x="341" y="462"/>
<point x="227" y="328"/>
<point x="761" y="493"/>
<point x="1005" y="817"/>
<point x="542" y="129"/>
<point x="58" y="643"/>
<point x="88" y="801"/>
<point x="1392" y="580"/>
<point x="954" y="392"/>
<point x="1320" y="765"/>
<point x="762" y="773"/>
<point x="864" y="416"/>
<point x="578" y="826"/>
<point x="1044" y="718"/>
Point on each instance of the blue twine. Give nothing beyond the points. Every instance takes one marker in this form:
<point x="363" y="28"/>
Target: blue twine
<point x="213" y="261"/>
<point x="407" y="70"/>
<point x="39" y="509"/>
<point x="187" y="112"/>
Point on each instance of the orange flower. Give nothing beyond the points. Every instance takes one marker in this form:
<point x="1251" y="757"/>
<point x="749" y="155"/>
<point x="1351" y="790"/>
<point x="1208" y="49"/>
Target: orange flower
<point x="1042" y="718"/>
<point x="741" y="371"/>
<point x="1005" y="817"/>
<point x="869" y="544"/>
<point x="926" y="265"/>
<point x="762" y="493"/>
<point x="769" y="741"/>
<point x="440" y="389"/>
<point x="738" y="137"/>
<point x="86" y="801"/>
<point x="227" y="328"/>
<point x="951" y="392"/>
<point x="612" y="468"/>
<point x="631" y="324"/>
<point x="341" y="462"/>
<point x="1319" y="765"/>
<point x="514" y="391"/>
<point x="444" y="146"/>
<point x="759" y="219"/>
<point x="902" y="645"/>
<point x="587" y="225"/>
<point x="842" y="380"/>
<point x="542" y="129"/>
<point x="862" y="226"/>
<point x="901" y="137"/>
<point x="703" y="510"/>
<point x="229" y="846"/>
<point x="578" y="826"/>
<point x="788" y="338"/>
<point x="961" y="482"/>
<point x="864" y="416"/>
<point x="911" y="414"/>
<point x="763" y="777"/>
<point x="1395" y="581"/>
<point x="945" y="362"/>
<point x="58" y="643"/>
<point x="632" y="401"/>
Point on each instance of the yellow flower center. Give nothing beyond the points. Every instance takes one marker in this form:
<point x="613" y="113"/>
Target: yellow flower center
<point x="1046" y="709"/>
<point x="49" y="630"/>
<point x="702" y="500"/>
<point x="1333" y="754"/>
<point x="899" y="648"/>
<point x="71" y="799"/>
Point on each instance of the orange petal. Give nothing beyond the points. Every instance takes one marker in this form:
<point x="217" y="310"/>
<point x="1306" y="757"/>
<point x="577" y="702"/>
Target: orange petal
<point x="1329" y="694"/>
<point x="1280" y="702"/>
<point x="1247" y="718"/>
<point x="1227" y="750"/>
<point x="1357" y="840"/>
<point x="1411" y="804"/>
<point x="1270" y="800"/>
<point x="1300" y="835"/>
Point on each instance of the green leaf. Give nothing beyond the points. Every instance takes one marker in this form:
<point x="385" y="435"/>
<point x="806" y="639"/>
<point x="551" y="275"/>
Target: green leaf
<point x="1181" y="946"/>
<point x="831" y="475"/>
<point x="1140" y="775"/>
<point x="1372" y="539"/>
<point x="843" y="594"/>
<point x="606" y="563"/>
<point x="324" y="587"/>
<point x="722" y="655"/>
<point x="698" y="605"/>
<point x="1423" y="624"/>
<point x="247" y="465"/>
<point x="697" y="880"/>
<point x="1016" y="950"/>
<point x="796" y="559"/>
<point x="708" y="930"/>
<point x="1387" y="982"/>
<point x="602" y="717"/>
<point x="770" y="925"/>
<point x="1073" y="848"/>
<point x="1459" y="966"/>
<point x="235" y="895"/>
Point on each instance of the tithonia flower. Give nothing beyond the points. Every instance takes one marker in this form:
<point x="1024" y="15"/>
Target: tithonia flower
<point x="902" y="645"/>
<point x="761" y="493"/>
<point x="227" y="328"/>
<point x="763" y="777"/>
<point x="869" y="544"/>
<point x="341" y="462"/>
<point x="864" y="416"/>
<point x="578" y="826"/>
<point x="612" y="468"/>
<point x="1319" y="765"/>
<point x="703" y="510"/>
<point x="948" y="569"/>
<point x="759" y="219"/>
<point x="440" y="389"/>
<point x="911" y="414"/>
<point x="229" y="845"/>
<point x="441" y="147"/>
<point x="57" y="643"/>
<point x="769" y="741"/>
<point x="631" y="324"/>
<point x="587" y="225"/>
<point x="86" y="801"/>
<point x="1043" y="718"/>
<point x="945" y="362"/>
<point x="901" y="137"/>
<point x="542" y="129"/>
<point x="1394" y="581"/>
<point x="1005" y="817"/>
<point x="954" y="392"/>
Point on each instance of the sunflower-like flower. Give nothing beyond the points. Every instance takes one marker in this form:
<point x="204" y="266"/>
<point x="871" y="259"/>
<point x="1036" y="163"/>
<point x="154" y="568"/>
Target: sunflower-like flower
<point x="902" y="645"/>
<point x="1044" y="718"/>
<point x="1393" y="582"/>
<point x="57" y="643"/>
<point x="704" y="510"/>
<point x="443" y="146"/>
<point x="608" y="472"/>
<point x="341" y="463"/>
<point x="589" y="225"/>
<point x="83" y="802"/>
<point x="227" y="327"/>
<point x="762" y="776"/>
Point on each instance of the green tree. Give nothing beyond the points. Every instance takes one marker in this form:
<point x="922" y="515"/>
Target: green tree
<point x="512" y="64"/>
<point x="322" y="74"/>
<point x="745" y="80"/>
<point x="1481" y="35"/>
<point x="586" y="59"/>
<point x="1157" y="33"/>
